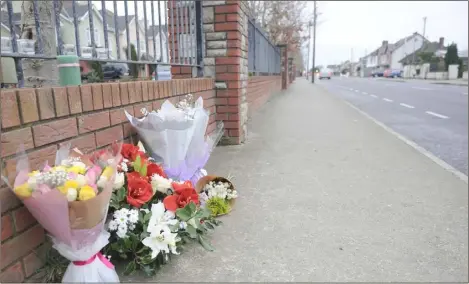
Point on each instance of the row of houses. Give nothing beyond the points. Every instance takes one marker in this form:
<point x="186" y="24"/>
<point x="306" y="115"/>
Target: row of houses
<point x="397" y="55"/>
<point x="67" y="33"/>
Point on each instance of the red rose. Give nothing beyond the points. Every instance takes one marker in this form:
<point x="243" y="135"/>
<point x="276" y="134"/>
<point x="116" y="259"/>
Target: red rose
<point x="183" y="195"/>
<point x="129" y="151"/>
<point x="139" y="191"/>
<point x="181" y="186"/>
<point x="153" y="168"/>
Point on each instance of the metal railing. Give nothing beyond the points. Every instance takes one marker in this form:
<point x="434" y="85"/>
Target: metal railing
<point x="156" y="46"/>
<point x="263" y="56"/>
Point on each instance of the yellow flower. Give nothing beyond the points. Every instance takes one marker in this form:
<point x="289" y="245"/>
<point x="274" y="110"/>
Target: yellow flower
<point x="23" y="191"/>
<point x="86" y="192"/>
<point x="58" y="168"/>
<point x="108" y="172"/>
<point x="68" y="184"/>
<point x="33" y="173"/>
<point x="79" y="170"/>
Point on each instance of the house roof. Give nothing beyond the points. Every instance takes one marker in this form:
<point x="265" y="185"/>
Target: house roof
<point x="156" y="28"/>
<point x="16" y="21"/>
<point x="121" y="24"/>
<point x="80" y="9"/>
<point x="429" y="47"/>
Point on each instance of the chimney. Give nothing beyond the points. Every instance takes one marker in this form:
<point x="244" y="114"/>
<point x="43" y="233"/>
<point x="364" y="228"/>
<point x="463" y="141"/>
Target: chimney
<point x="385" y="42"/>
<point x="442" y="42"/>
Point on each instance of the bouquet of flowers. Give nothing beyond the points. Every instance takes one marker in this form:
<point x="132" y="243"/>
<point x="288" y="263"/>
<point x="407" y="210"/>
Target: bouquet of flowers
<point x="70" y="200"/>
<point x="175" y="136"/>
<point x="152" y="216"/>
<point x="217" y="194"/>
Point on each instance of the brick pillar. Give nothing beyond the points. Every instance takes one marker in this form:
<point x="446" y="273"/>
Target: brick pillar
<point x="284" y="59"/>
<point x="226" y="60"/>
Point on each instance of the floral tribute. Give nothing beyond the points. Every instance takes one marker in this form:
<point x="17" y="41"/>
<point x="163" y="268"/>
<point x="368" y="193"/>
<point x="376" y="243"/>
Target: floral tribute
<point x="152" y="216"/>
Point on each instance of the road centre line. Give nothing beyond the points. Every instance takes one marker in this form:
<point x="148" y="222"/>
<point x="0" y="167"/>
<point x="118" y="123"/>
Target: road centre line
<point x="437" y="114"/>
<point x="374" y="96"/>
<point x="365" y="93"/>
<point x="406" y="105"/>
<point x="387" y="100"/>
<point x="357" y="91"/>
<point x="420" y="88"/>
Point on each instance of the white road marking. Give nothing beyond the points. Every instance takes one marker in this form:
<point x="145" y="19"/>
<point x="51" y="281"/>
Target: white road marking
<point x="365" y="93"/>
<point x="387" y="100"/>
<point x="407" y="106"/>
<point x="357" y="91"/>
<point x="464" y="93"/>
<point x="420" y="88"/>
<point x="436" y="114"/>
<point x="374" y="96"/>
<point x="414" y="145"/>
<point x="351" y="89"/>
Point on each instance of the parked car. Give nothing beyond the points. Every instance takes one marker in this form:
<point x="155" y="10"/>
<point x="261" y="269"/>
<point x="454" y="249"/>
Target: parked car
<point x="115" y="70"/>
<point x="377" y="73"/>
<point x="392" y="73"/>
<point x="325" y="73"/>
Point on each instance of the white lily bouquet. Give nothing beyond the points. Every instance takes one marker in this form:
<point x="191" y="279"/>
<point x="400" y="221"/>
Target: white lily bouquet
<point x="175" y="137"/>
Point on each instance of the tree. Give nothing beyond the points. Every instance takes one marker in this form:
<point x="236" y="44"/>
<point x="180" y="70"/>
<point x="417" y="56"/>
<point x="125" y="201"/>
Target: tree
<point x="39" y="72"/>
<point x="133" y="68"/>
<point x="451" y="56"/>
<point x="283" y="21"/>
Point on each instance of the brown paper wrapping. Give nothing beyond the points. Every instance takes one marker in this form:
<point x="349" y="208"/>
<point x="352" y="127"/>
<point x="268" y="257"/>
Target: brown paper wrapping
<point x="206" y="179"/>
<point x="89" y="213"/>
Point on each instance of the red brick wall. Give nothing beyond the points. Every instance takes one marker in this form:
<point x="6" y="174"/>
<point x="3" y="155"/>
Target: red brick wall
<point x="260" y="89"/>
<point x="91" y="117"/>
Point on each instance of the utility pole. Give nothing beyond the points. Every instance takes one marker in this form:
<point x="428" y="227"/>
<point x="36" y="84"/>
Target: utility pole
<point x="314" y="42"/>
<point x="424" y="26"/>
<point x="309" y="49"/>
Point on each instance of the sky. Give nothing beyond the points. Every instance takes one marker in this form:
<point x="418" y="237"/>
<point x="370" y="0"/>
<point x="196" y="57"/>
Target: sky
<point x="349" y="29"/>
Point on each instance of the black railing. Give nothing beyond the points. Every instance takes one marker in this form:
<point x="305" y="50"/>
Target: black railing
<point x="115" y="33"/>
<point x="263" y="55"/>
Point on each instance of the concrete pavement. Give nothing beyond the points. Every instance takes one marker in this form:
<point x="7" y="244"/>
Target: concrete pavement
<point x="327" y="195"/>
<point x="433" y="116"/>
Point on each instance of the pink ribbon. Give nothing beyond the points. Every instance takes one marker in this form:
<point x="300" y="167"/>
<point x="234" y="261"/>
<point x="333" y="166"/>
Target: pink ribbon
<point x="101" y="257"/>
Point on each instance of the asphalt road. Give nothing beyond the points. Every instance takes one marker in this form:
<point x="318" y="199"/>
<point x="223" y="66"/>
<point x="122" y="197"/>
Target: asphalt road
<point x="433" y="116"/>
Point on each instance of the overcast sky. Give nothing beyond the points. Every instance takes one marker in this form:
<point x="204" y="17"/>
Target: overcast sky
<point x="363" y="25"/>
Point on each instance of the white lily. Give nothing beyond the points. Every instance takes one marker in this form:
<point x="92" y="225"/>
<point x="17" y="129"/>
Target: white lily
<point x="158" y="217"/>
<point x="160" y="239"/>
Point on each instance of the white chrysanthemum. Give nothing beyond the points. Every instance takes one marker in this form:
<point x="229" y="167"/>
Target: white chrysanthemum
<point x="131" y="227"/>
<point x="133" y="216"/>
<point x="81" y="179"/>
<point x="161" y="184"/>
<point x="119" y="181"/>
<point x="102" y="181"/>
<point x="72" y="194"/>
<point x="124" y="167"/>
<point x="122" y="231"/>
<point x="183" y="225"/>
<point x="112" y="226"/>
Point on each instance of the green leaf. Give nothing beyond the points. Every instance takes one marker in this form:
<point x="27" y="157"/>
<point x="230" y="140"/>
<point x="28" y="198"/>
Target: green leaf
<point x="147" y="217"/>
<point x="143" y="170"/>
<point x="130" y="268"/>
<point x="123" y="255"/>
<point x="137" y="164"/>
<point x="192" y="232"/>
<point x="205" y="244"/>
<point x="184" y="213"/>
<point x="209" y="225"/>
<point x="149" y="271"/>
<point x="128" y="243"/>
<point x="192" y="208"/>
<point x="121" y="194"/>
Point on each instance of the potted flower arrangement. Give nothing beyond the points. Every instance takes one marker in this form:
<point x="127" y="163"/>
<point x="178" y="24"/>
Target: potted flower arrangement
<point x="217" y="194"/>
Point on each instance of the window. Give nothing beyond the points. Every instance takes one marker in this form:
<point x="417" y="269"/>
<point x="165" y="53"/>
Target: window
<point x="97" y="39"/>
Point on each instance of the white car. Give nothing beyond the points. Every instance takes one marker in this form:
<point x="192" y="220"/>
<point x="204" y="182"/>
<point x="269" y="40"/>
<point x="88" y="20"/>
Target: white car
<point x="325" y="73"/>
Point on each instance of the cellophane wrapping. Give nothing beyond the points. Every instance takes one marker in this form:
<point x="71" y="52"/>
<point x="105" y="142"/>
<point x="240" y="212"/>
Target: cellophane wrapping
<point x="74" y="225"/>
<point x="176" y="138"/>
